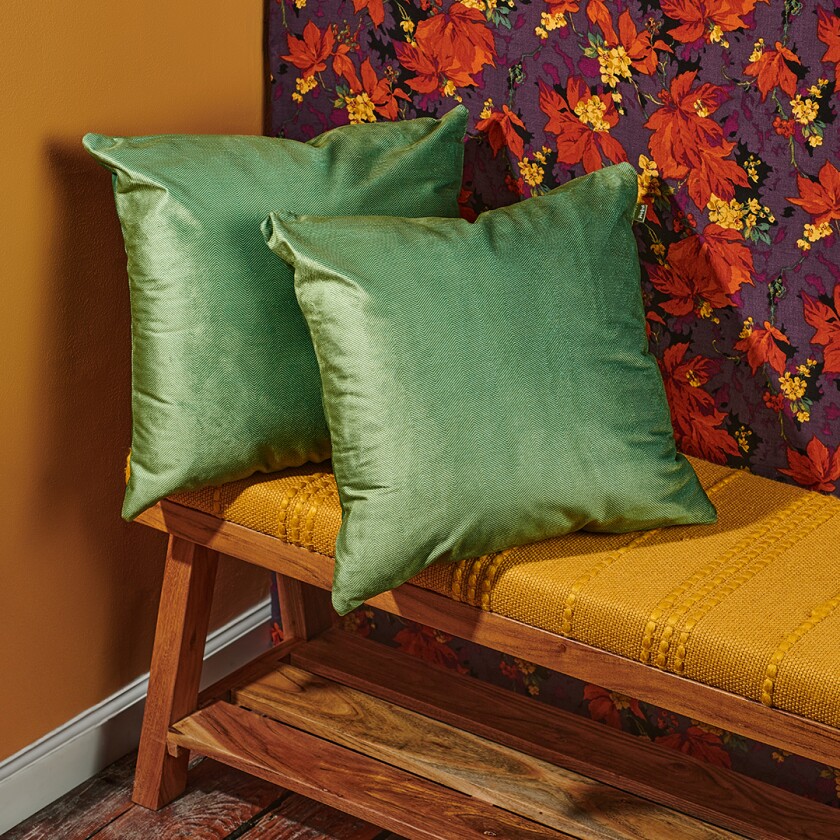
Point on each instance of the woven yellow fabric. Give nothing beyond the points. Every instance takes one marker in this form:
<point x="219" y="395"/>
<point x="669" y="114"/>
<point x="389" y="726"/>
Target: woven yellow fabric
<point x="750" y="605"/>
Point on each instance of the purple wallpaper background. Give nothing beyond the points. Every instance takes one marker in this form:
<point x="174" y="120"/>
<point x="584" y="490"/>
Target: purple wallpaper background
<point x="728" y="109"/>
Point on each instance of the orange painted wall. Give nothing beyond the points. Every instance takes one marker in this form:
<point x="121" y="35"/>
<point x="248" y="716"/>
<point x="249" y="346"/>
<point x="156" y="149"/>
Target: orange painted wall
<point x="78" y="588"/>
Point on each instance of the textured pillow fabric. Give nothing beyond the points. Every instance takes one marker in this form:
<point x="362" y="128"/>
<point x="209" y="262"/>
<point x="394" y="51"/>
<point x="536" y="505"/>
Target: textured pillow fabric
<point x="486" y="385"/>
<point x="224" y="378"/>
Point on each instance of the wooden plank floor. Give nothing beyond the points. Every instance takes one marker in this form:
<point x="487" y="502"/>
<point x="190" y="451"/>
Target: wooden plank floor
<point x="220" y="803"/>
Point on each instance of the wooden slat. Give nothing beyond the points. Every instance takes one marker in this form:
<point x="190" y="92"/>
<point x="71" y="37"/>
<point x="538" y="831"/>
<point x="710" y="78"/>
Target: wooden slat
<point x="712" y="793"/>
<point x="356" y="784"/>
<point x="652" y="685"/>
<point x="259" y="665"/>
<point x="305" y="610"/>
<point x="180" y="635"/>
<point x="85" y="809"/>
<point x="218" y="799"/>
<point x="499" y="775"/>
<point x="299" y="818"/>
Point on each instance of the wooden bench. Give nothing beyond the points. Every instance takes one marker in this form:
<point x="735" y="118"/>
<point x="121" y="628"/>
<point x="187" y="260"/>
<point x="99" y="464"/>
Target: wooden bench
<point x="432" y="754"/>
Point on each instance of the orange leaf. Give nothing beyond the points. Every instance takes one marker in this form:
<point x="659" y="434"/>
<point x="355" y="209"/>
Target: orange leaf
<point x="375" y="8"/>
<point x="820" y="198"/>
<point x="761" y="348"/>
<point x="310" y="53"/>
<point x="771" y="70"/>
<point x="828" y="31"/>
<point x="500" y="130"/>
<point x="826" y="323"/>
<point x="818" y="469"/>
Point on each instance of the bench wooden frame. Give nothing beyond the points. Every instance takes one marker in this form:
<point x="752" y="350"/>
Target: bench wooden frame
<point x="249" y="720"/>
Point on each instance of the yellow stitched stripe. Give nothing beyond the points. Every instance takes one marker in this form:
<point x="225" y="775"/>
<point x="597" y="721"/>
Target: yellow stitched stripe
<point x="594" y="571"/>
<point x="811" y="518"/>
<point x="817" y="615"/>
<point x="752" y="544"/>
<point x="299" y="505"/>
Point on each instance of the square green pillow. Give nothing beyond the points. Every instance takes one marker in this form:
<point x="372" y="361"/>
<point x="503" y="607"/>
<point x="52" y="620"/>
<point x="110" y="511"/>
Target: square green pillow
<point x="224" y="378"/>
<point x="486" y="385"/>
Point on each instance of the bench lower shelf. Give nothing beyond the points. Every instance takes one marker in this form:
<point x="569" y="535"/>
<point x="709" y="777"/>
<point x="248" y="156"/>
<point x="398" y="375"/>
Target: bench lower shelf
<point x="432" y="754"/>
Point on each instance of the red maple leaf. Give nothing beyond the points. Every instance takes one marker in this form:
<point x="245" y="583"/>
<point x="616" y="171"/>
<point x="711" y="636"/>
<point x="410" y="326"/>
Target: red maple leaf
<point x="772" y="70"/>
<point x="717" y="253"/>
<point x="699" y="743"/>
<point x="826" y="323"/>
<point x="375" y="8"/>
<point x="449" y="47"/>
<point x="598" y="13"/>
<point x="761" y="347"/>
<point x="697" y="422"/>
<point x="820" y="198"/>
<point x="343" y="66"/>
<point x="818" y="469"/>
<point x="687" y="143"/>
<point x="562" y="7"/>
<point x="429" y="645"/>
<point x="378" y="90"/>
<point x="501" y="132"/>
<point x="637" y="44"/>
<point x="606" y="705"/>
<point x="688" y="289"/>
<point x="578" y="139"/>
<point x="828" y="31"/>
<point x="698" y="17"/>
<point x="310" y="53"/>
<point x="465" y="31"/>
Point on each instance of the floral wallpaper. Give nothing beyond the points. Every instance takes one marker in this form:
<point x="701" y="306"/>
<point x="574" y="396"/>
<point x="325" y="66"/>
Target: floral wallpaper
<point x="727" y="108"/>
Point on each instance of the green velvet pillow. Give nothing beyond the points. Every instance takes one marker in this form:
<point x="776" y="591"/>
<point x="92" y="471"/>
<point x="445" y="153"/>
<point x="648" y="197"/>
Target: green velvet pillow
<point x="224" y="378"/>
<point x="486" y="385"/>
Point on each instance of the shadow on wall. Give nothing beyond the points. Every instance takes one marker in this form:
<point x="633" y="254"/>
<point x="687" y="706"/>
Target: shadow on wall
<point x="87" y="419"/>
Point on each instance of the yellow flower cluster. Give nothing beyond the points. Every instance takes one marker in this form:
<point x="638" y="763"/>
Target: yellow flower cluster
<point x="300" y="4"/>
<point x="360" y="108"/>
<point x="813" y="233"/>
<point x="804" y="110"/>
<point x="450" y="89"/>
<point x="303" y="86"/>
<point x="615" y="64"/>
<point x="649" y="183"/>
<point x="705" y="311"/>
<point x="531" y="171"/>
<point x="746" y="330"/>
<point x="550" y="22"/>
<point x="407" y="26"/>
<point x="716" y="36"/>
<point x="591" y="112"/>
<point x="751" y="167"/>
<point x="487" y="111"/>
<point x="758" y="50"/>
<point x="742" y="438"/>
<point x="793" y="388"/>
<point x="737" y="215"/>
<point x="817" y="90"/>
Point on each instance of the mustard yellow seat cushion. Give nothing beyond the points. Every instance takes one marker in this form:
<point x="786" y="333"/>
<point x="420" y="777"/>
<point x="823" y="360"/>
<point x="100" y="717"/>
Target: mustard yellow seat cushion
<point x="750" y="605"/>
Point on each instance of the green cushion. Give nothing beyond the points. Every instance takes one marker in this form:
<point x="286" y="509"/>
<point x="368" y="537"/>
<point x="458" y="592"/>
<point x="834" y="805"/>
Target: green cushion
<point x="486" y="385"/>
<point x="224" y="378"/>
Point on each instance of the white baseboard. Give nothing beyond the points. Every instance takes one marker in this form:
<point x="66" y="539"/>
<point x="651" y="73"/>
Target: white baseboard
<point x="80" y="748"/>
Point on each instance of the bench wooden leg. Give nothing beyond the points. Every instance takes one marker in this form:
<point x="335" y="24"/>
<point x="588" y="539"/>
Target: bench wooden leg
<point x="181" y="631"/>
<point x="305" y="610"/>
